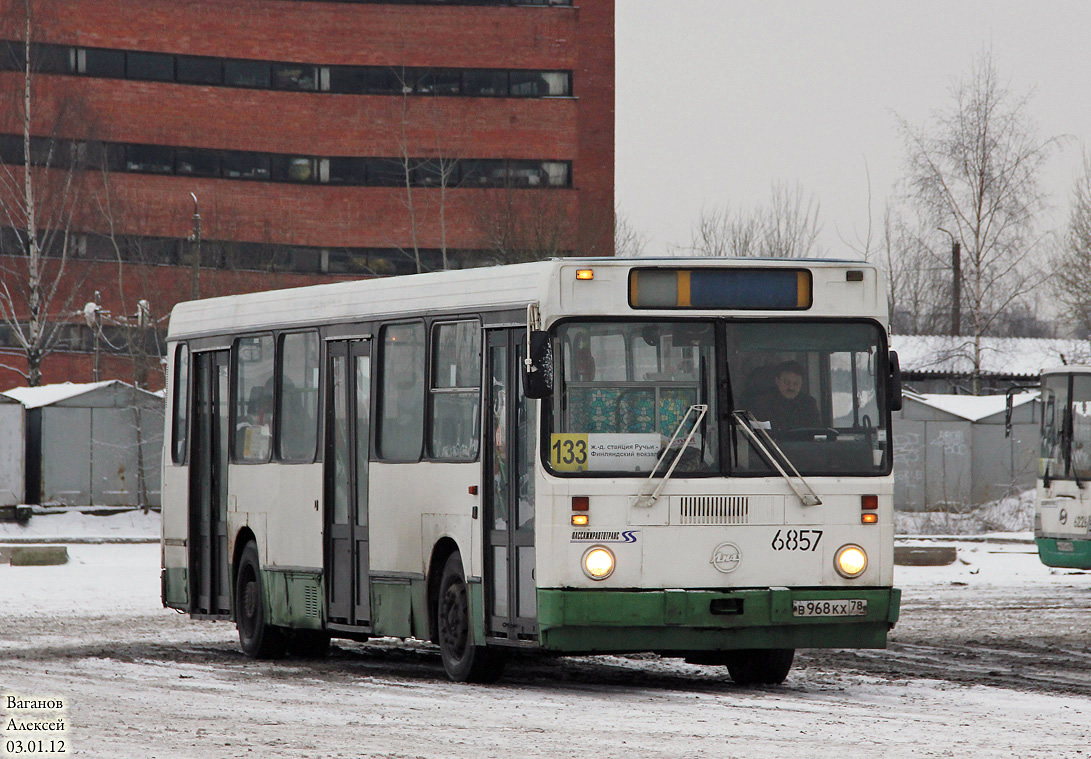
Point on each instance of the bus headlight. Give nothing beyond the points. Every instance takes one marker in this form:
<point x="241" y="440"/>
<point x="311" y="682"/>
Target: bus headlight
<point x="851" y="561"/>
<point x="598" y="563"/>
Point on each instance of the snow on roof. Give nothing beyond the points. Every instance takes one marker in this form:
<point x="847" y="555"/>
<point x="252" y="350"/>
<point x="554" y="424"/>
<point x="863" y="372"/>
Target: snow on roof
<point x="1006" y="356"/>
<point x="34" y="397"/>
<point x="972" y="407"/>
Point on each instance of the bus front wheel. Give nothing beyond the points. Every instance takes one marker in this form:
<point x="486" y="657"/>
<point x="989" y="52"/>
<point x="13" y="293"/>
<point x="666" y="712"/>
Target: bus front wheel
<point x="761" y="666"/>
<point x="258" y="640"/>
<point x="462" y="660"/>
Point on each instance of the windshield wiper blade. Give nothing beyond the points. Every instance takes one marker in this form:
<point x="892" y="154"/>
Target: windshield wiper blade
<point x="649" y="495"/>
<point x="763" y="441"/>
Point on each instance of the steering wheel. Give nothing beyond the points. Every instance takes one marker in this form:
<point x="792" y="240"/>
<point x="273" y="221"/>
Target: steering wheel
<point x="809" y="433"/>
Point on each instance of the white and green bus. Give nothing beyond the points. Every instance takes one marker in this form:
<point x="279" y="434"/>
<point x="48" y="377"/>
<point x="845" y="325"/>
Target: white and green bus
<point x="577" y="456"/>
<point x="1062" y="519"/>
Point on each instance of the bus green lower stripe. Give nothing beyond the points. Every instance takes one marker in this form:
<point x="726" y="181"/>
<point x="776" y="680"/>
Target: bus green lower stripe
<point x="585" y="621"/>
<point x="1070" y="554"/>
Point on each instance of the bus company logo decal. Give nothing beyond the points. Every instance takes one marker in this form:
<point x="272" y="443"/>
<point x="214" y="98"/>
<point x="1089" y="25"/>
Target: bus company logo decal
<point x="726" y="557"/>
<point x="605" y="536"/>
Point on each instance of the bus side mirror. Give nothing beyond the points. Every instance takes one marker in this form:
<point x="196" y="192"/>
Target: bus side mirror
<point x="894" y="382"/>
<point x="538" y="365"/>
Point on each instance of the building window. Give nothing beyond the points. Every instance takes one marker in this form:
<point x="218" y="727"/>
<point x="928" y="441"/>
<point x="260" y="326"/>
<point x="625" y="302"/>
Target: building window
<point x="247" y="74"/>
<point x="351" y="171"/>
<point x="253" y="398"/>
<point x="485" y="83"/>
<point x="157" y="67"/>
<point x="297" y="436"/>
<point x="455" y="391"/>
<point x="149" y="159"/>
<point x="401" y="402"/>
<point x="104" y="63"/>
<point x="292" y="76"/>
<point x="294" y="169"/>
<point x="439" y="82"/>
<point x="540" y="83"/>
<point x="195" y="70"/>
<point x="240" y="165"/>
<point x="198" y="163"/>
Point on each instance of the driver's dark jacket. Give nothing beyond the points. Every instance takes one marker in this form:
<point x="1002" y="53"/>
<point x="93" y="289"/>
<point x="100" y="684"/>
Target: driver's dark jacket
<point x="784" y="414"/>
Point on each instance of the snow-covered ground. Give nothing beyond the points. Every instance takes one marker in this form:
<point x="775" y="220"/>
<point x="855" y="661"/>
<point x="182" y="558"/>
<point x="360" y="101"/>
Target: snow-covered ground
<point x="141" y="681"/>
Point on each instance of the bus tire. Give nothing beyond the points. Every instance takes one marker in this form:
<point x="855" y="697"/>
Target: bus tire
<point x="760" y="666"/>
<point x="257" y="639"/>
<point x="462" y="660"/>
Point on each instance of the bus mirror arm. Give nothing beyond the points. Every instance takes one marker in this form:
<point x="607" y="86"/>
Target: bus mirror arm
<point x="648" y="495"/>
<point x="764" y="442"/>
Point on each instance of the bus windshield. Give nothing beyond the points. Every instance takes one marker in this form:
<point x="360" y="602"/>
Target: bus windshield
<point x="623" y="390"/>
<point x="1066" y="427"/>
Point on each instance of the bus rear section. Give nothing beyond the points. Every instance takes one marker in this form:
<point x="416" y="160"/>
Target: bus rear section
<point x="1062" y="518"/>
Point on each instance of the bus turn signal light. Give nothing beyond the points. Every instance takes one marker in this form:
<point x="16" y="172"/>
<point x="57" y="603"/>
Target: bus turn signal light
<point x="579" y="520"/>
<point x="585" y="273"/>
<point x="869" y="518"/>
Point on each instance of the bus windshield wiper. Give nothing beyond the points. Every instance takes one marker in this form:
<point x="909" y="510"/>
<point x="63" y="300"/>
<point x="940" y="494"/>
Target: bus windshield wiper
<point x="649" y="491"/>
<point x="763" y="441"/>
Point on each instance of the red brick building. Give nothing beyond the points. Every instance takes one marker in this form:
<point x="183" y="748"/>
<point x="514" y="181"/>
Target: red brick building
<point x="315" y="140"/>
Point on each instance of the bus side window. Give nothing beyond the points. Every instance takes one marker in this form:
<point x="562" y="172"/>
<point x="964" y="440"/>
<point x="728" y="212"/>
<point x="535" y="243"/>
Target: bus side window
<point x="253" y="398"/>
<point x="401" y="398"/>
<point x="455" y="391"/>
<point x="297" y="433"/>
<point x="180" y="405"/>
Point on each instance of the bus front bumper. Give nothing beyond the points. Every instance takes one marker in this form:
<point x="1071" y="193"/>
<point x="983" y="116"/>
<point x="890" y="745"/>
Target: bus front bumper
<point x="692" y="621"/>
<point x="1070" y="554"/>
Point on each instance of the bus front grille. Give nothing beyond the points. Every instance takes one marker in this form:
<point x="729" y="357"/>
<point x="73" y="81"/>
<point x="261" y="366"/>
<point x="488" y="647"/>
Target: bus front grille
<point x="714" y="509"/>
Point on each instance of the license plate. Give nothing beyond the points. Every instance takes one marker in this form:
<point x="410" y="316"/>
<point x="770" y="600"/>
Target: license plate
<point x="840" y="607"/>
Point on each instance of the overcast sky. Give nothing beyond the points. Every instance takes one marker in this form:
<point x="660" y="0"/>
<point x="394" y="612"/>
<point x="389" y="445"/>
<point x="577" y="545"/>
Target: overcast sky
<point x="719" y="99"/>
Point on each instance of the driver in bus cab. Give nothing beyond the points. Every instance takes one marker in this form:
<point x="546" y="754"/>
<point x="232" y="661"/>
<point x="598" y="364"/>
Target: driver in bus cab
<point x="787" y="406"/>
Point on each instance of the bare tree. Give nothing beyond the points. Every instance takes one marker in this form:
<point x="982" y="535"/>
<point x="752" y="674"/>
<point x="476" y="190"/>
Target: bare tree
<point x="518" y="225"/>
<point x="787" y="228"/>
<point x="38" y="202"/>
<point x="629" y="242"/>
<point x="1071" y="269"/>
<point x="974" y="174"/>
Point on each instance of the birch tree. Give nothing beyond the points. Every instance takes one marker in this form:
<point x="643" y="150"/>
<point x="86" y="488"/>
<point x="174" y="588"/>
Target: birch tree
<point x="1071" y="270"/>
<point x="974" y="173"/>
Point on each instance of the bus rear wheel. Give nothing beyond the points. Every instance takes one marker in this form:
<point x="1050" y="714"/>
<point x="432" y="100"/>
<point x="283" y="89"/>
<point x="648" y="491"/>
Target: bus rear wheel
<point x="257" y="639"/>
<point x="760" y="666"/>
<point x="462" y="660"/>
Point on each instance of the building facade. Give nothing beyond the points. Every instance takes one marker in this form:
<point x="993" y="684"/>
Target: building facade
<point x="216" y="146"/>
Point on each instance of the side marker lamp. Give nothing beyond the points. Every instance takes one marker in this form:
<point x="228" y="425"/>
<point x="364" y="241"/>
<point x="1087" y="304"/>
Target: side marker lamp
<point x="851" y="561"/>
<point x="585" y="273"/>
<point x="598" y="563"/>
<point x="579" y="520"/>
<point x="869" y="517"/>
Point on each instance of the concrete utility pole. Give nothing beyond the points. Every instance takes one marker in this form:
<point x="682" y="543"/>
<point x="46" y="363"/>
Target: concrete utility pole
<point x="956" y="284"/>
<point x="195" y="238"/>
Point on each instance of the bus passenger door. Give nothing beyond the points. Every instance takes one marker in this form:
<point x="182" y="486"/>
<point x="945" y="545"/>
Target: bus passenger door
<point x="210" y="573"/>
<point x="509" y="493"/>
<point x="348" y="425"/>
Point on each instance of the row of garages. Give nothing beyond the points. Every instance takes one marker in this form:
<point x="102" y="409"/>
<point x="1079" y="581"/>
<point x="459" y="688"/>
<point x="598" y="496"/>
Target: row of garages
<point x="72" y="444"/>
